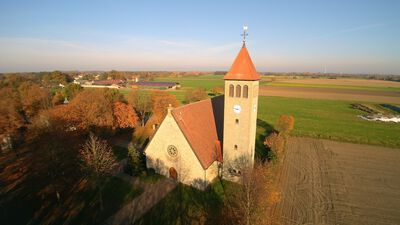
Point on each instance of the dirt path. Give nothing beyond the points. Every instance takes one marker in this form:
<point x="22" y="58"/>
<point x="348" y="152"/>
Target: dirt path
<point x="332" y="94"/>
<point x="327" y="182"/>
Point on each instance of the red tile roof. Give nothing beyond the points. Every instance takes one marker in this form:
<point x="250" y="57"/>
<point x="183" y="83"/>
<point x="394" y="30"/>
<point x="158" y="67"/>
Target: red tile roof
<point x="243" y="67"/>
<point x="202" y="124"/>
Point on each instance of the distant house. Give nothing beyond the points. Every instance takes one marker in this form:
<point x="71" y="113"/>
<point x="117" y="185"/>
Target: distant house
<point x="155" y="85"/>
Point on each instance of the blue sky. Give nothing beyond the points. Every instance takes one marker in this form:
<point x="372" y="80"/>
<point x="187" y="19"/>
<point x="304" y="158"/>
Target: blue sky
<point x="284" y="36"/>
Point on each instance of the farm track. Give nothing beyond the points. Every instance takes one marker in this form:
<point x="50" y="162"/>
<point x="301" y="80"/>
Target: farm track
<point x="333" y="94"/>
<point x="327" y="182"/>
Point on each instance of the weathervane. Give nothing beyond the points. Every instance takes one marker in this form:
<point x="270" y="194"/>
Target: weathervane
<point x="244" y="34"/>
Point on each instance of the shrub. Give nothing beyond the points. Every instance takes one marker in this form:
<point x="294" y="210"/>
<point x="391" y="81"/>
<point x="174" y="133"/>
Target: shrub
<point x="285" y="124"/>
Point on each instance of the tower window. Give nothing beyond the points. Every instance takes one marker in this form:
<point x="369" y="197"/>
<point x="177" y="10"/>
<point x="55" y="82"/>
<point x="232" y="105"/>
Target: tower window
<point x="231" y="90"/>
<point x="235" y="147"/>
<point x="238" y="91"/>
<point x="237" y="121"/>
<point x="245" y="91"/>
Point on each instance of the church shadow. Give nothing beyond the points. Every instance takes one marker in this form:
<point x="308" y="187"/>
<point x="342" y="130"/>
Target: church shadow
<point x="184" y="205"/>
<point x="263" y="130"/>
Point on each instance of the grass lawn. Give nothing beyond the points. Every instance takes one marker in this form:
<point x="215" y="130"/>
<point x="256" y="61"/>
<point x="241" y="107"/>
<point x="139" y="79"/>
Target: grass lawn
<point x="185" y="204"/>
<point x="179" y="94"/>
<point x="328" y="119"/>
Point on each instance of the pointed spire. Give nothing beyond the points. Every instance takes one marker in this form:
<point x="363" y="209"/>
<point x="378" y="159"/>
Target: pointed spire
<point x="243" y="67"/>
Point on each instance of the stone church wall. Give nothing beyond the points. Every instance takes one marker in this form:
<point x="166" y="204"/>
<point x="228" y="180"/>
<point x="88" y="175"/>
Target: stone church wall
<point x="186" y="164"/>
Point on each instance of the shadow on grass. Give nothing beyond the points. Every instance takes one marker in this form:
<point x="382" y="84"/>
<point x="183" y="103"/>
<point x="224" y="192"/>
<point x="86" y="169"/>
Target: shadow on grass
<point x="263" y="130"/>
<point x="116" y="194"/>
<point x="186" y="204"/>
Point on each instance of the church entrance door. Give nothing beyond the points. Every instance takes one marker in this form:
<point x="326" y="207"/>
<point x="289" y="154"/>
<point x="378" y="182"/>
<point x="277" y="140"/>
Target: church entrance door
<point x="173" y="174"/>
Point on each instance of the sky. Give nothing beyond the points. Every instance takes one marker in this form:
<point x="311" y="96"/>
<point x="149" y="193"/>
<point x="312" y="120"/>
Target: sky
<point x="341" y="36"/>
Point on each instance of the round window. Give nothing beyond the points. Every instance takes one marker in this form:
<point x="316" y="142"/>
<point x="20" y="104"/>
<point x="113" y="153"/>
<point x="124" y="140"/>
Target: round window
<point x="172" y="151"/>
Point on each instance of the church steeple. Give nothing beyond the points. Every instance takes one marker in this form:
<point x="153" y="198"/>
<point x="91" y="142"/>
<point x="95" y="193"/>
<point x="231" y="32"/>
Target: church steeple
<point x="243" y="67"/>
<point x="240" y="114"/>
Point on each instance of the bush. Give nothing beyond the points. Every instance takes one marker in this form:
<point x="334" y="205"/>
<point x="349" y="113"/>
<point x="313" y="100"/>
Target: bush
<point x="136" y="162"/>
<point x="285" y="124"/>
<point x="276" y="145"/>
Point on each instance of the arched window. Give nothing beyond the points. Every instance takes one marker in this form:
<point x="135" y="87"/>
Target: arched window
<point x="231" y="90"/>
<point x="245" y="91"/>
<point x="238" y="91"/>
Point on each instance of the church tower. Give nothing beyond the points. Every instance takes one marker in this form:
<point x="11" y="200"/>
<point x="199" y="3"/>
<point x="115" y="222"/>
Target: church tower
<point x="240" y="114"/>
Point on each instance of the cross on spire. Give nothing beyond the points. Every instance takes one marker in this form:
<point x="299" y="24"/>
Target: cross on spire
<point x="244" y="34"/>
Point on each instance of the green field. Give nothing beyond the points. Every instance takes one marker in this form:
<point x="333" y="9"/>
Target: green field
<point x="328" y="119"/>
<point x="334" y="86"/>
<point x="206" y="81"/>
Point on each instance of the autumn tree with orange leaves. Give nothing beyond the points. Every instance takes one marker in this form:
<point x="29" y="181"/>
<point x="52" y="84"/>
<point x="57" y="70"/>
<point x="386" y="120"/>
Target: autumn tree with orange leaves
<point x="160" y="101"/>
<point x="93" y="109"/>
<point x="276" y="141"/>
<point x="33" y="98"/>
<point x="125" y="116"/>
<point x="194" y="95"/>
<point x="10" y="117"/>
<point x="285" y="124"/>
<point x="248" y="201"/>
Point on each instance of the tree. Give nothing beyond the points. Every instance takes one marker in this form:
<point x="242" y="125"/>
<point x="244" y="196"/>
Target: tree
<point x="160" y="101"/>
<point x="55" y="78"/>
<point x="242" y="199"/>
<point x="113" y="74"/>
<point x="57" y="99"/>
<point x="33" y="98"/>
<point x="218" y="90"/>
<point x="71" y="90"/>
<point x="135" y="160"/>
<point x="125" y="116"/>
<point x="89" y="109"/>
<point x="141" y="102"/>
<point x="284" y="125"/>
<point x="194" y="95"/>
<point x="113" y="95"/>
<point x="276" y="145"/>
<point x="98" y="161"/>
<point x="10" y="118"/>
<point x="276" y="141"/>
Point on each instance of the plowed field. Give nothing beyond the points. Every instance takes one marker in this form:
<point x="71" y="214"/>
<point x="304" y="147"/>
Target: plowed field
<point x="327" y="182"/>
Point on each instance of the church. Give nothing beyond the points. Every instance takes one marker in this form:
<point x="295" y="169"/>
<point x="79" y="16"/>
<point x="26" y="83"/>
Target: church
<point x="200" y="141"/>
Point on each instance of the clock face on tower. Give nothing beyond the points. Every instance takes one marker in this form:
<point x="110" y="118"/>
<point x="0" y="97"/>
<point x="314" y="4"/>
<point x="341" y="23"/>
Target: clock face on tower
<point x="237" y="109"/>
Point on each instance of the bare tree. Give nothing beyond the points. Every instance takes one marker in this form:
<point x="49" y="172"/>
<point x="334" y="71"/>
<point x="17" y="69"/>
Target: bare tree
<point x="99" y="162"/>
<point x="243" y="203"/>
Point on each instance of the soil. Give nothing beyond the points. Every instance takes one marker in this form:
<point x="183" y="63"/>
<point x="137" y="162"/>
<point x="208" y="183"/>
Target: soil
<point x="327" y="182"/>
<point x="333" y="94"/>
